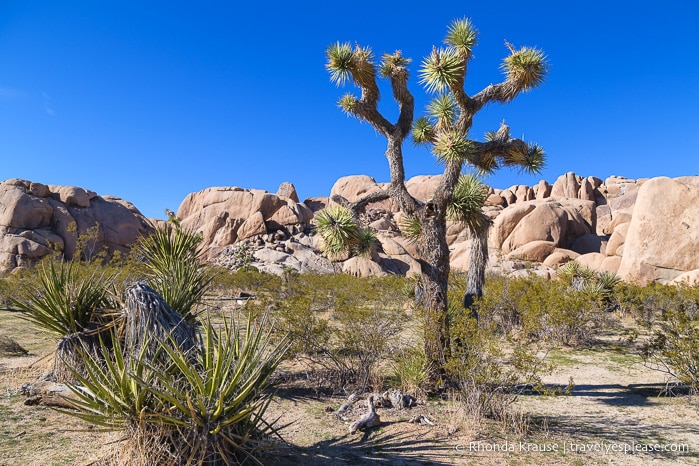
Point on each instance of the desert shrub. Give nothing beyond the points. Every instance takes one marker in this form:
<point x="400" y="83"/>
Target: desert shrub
<point x="672" y="345"/>
<point x="410" y="370"/>
<point x="176" y="411"/>
<point x="645" y="303"/>
<point x="488" y="371"/>
<point x="342" y="327"/>
<point x="537" y="309"/>
<point x="247" y="280"/>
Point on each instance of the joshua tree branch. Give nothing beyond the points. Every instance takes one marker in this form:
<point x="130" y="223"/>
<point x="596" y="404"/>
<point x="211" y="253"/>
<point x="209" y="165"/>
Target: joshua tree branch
<point x="359" y="205"/>
<point x="503" y="92"/>
<point x="505" y="150"/>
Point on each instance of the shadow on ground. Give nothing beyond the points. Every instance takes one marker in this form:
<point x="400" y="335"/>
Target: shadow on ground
<point x="372" y="447"/>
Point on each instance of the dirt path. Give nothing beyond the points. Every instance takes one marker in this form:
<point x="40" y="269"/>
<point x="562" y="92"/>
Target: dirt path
<point x="613" y="416"/>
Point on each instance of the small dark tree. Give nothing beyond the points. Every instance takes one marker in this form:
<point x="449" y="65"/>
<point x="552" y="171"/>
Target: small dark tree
<point x="446" y="131"/>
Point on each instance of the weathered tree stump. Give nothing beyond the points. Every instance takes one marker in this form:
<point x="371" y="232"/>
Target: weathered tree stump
<point x="370" y="419"/>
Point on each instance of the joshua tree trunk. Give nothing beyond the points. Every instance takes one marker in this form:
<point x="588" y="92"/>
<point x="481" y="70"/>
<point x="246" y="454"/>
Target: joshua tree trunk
<point x="475" y="278"/>
<point x="433" y="299"/>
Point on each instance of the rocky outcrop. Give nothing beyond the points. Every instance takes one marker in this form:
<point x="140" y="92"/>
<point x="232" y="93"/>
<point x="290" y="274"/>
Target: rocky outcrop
<point x="227" y="215"/>
<point x="576" y="218"/>
<point x="644" y="230"/>
<point x="662" y="240"/>
<point x="560" y="221"/>
<point x="38" y="219"/>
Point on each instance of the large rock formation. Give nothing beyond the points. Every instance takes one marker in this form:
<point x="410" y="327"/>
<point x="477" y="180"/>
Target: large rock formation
<point x="644" y="230"/>
<point x="227" y="215"/>
<point x="38" y="219"/>
<point x="662" y="238"/>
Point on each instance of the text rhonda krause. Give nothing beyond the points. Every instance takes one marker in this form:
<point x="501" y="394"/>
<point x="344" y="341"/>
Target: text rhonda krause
<point x="528" y="447"/>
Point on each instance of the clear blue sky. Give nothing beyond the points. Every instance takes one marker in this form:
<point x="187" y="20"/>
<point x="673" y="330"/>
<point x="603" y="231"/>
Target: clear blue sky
<point x="150" y="100"/>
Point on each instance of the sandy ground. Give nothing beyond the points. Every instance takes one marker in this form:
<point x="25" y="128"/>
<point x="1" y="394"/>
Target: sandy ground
<point x="613" y="414"/>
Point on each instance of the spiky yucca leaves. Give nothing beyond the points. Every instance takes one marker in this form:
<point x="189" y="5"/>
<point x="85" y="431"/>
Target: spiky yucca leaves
<point x="441" y="69"/>
<point x="451" y="145"/>
<point x="348" y="103"/>
<point x="345" y="63"/>
<point x="219" y="407"/>
<point x="466" y="204"/>
<point x="462" y="35"/>
<point x="208" y="413"/>
<point x="366" y="242"/>
<point x="529" y="158"/>
<point x="339" y="62"/>
<point x="608" y="279"/>
<point x="535" y="159"/>
<point x="443" y="110"/>
<point x="173" y="267"/>
<point x="109" y="389"/>
<point x="339" y="230"/>
<point x="410" y="227"/>
<point x="526" y="68"/>
<point x="62" y="302"/>
<point x="423" y="131"/>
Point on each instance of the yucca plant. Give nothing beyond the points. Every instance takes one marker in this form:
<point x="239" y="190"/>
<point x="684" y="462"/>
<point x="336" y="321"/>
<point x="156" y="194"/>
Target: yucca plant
<point x="339" y="230"/>
<point x="466" y="204"/>
<point x="72" y="307"/>
<point x="173" y="267"/>
<point x="410" y="227"/>
<point x="366" y="242"/>
<point x="62" y="302"/>
<point x="204" y="413"/>
<point x="608" y="280"/>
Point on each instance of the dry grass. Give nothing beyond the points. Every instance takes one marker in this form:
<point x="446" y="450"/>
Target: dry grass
<point x="614" y="401"/>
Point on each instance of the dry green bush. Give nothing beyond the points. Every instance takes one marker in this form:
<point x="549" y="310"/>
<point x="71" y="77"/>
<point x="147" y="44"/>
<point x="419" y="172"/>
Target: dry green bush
<point x="488" y="370"/>
<point x="343" y="328"/>
<point x="537" y="309"/>
<point x="668" y="317"/>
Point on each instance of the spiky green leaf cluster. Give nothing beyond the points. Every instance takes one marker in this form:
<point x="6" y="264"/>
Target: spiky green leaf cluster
<point x="534" y="160"/>
<point x="62" y="302"/>
<point x="451" y="145"/>
<point x="529" y="158"/>
<point x="345" y="62"/>
<point x="206" y="407"/>
<point x="444" y="110"/>
<point x="348" y="103"/>
<point x="441" y="69"/>
<point x="366" y="242"/>
<point x="337" y="227"/>
<point x="173" y="267"/>
<point x="341" y="233"/>
<point x="588" y="280"/>
<point x="462" y="35"/>
<point x="422" y="132"/>
<point x="467" y="201"/>
<point x="410" y="227"/>
<point x="339" y="62"/>
<point x="526" y="68"/>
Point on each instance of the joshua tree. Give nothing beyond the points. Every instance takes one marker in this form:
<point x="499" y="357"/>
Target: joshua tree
<point x="446" y="131"/>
